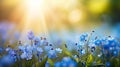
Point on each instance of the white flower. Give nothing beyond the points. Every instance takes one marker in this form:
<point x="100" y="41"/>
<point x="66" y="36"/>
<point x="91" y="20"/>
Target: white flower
<point x="22" y="48"/>
<point x="58" y="50"/>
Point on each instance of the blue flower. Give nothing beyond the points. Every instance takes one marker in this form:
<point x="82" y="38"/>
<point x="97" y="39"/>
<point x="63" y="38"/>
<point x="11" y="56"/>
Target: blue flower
<point x="47" y="64"/>
<point x="40" y="51"/>
<point x="112" y="42"/>
<point x="23" y="55"/>
<point x="21" y="48"/>
<point x="6" y="61"/>
<point x="70" y="45"/>
<point x="58" y="50"/>
<point x="12" y="52"/>
<point x="82" y="51"/>
<point x="36" y="41"/>
<point x="26" y="56"/>
<point x="27" y="52"/>
<point x="107" y="64"/>
<point x="106" y="47"/>
<point x="29" y="56"/>
<point x="115" y="53"/>
<point x="108" y="43"/>
<point x="68" y="62"/>
<point x="93" y="48"/>
<point x="52" y="54"/>
<point x="47" y="48"/>
<point x="98" y="42"/>
<point x="57" y="64"/>
<point x="29" y="48"/>
<point x="83" y="37"/>
<point x="30" y="35"/>
<point x="43" y="42"/>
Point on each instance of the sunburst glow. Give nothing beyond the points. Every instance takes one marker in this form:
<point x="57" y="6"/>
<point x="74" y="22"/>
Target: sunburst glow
<point x="47" y="15"/>
<point x="35" y="7"/>
<point x="35" y="13"/>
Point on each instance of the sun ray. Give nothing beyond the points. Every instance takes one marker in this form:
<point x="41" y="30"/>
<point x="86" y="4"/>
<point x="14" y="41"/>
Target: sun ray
<point x="35" y="16"/>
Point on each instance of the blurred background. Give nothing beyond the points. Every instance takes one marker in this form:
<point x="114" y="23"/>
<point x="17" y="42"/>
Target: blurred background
<point x="56" y="18"/>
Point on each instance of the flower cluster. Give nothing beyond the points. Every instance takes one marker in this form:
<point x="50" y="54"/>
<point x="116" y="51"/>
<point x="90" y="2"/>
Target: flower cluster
<point x="38" y="51"/>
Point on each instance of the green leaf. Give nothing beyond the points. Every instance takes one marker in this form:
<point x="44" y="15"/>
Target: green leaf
<point x="68" y="53"/>
<point x="115" y="62"/>
<point x="41" y="64"/>
<point x="51" y="62"/>
<point x="89" y="60"/>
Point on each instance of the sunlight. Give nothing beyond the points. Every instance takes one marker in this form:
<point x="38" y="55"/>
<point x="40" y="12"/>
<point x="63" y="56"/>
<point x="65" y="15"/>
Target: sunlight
<point x="35" y="10"/>
<point x="35" y="15"/>
<point x="35" y="7"/>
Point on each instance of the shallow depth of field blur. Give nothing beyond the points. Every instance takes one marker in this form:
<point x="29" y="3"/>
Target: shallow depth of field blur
<point x="59" y="16"/>
<point x="61" y="23"/>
